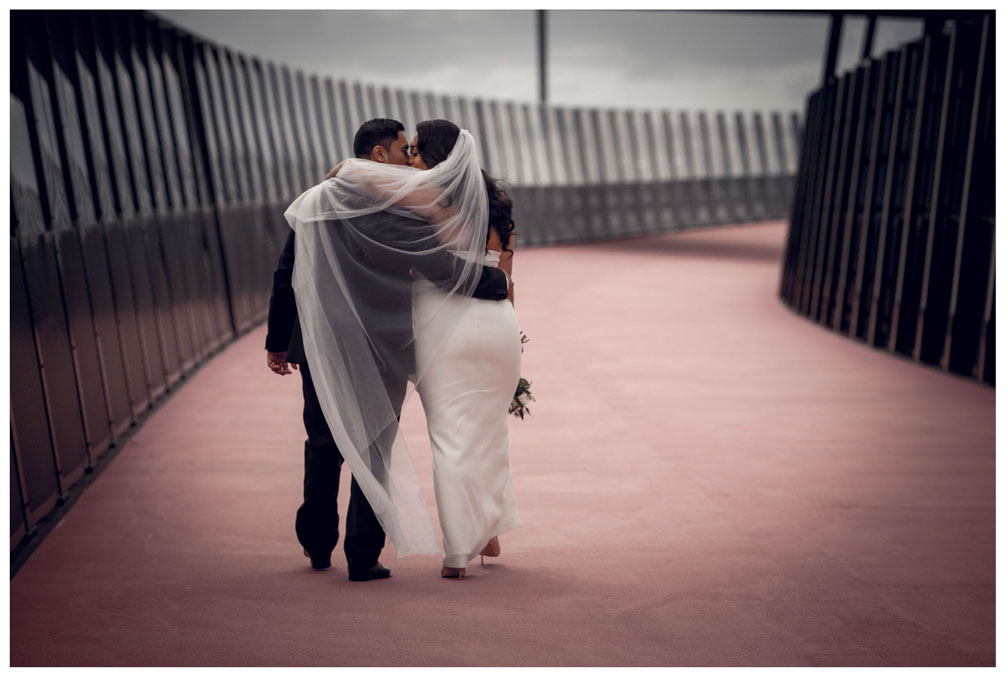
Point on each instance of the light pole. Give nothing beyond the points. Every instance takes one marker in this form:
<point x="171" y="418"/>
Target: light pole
<point x="541" y="34"/>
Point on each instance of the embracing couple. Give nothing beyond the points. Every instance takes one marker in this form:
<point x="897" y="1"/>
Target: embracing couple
<point x="396" y="273"/>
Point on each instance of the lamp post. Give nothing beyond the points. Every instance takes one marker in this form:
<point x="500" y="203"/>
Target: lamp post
<point x="541" y="34"/>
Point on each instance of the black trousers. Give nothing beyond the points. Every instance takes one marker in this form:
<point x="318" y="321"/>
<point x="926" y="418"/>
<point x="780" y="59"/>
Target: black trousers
<point x="317" y="521"/>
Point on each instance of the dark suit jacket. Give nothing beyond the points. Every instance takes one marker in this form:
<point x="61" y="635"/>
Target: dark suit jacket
<point x="441" y="268"/>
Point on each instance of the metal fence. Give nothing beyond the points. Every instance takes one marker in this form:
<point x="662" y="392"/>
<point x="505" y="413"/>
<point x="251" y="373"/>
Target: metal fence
<point x="150" y="171"/>
<point x="892" y="230"/>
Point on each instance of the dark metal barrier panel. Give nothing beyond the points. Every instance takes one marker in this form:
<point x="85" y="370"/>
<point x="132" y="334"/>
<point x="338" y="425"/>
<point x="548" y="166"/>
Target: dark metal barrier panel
<point x="892" y="226"/>
<point x="192" y="144"/>
<point x="277" y="184"/>
<point x="324" y="127"/>
<point x="293" y="93"/>
<point x="832" y="210"/>
<point x="92" y="385"/>
<point x="268" y="215"/>
<point x="853" y="202"/>
<point x="231" y="211"/>
<point x="248" y="200"/>
<point x="19" y="521"/>
<point x="30" y="430"/>
<point x="31" y="438"/>
<point x="178" y="241"/>
<point x="164" y="254"/>
<point x="150" y="171"/>
<point x="884" y="101"/>
<point x="39" y="263"/>
<point x="143" y="235"/>
<point x="112" y="295"/>
<point x="971" y="314"/>
<point x="129" y="250"/>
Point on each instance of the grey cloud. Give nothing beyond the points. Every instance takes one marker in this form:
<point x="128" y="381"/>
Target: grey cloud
<point x="674" y="39"/>
<point x="641" y="59"/>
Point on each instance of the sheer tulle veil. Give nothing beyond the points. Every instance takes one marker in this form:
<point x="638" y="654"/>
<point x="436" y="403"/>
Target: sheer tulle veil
<point x="361" y="239"/>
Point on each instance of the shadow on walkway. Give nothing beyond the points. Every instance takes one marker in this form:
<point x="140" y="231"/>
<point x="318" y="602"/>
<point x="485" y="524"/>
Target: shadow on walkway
<point x="696" y="245"/>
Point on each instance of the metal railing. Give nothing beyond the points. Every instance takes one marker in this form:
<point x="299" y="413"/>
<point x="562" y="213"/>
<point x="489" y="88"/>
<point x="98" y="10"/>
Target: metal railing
<point x="150" y="171"/>
<point x="892" y="230"/>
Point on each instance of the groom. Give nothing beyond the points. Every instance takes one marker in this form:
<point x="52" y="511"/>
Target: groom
<point x="317" y="523"/>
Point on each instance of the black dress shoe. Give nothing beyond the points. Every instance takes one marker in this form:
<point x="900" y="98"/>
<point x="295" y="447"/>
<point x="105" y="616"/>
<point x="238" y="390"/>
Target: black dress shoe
<point x="376" y="572"/>
<point x="319" y="563"/>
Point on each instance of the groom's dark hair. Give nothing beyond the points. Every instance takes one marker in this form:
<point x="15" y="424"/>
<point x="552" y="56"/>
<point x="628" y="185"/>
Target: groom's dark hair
<point x="380" y="131"/>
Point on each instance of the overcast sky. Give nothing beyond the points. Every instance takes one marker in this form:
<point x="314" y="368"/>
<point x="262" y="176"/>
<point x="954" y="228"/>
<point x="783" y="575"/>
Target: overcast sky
<point x="635" y="59"/>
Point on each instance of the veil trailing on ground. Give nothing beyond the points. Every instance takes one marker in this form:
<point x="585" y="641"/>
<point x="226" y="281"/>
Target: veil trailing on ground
<point x="360" y="240"/>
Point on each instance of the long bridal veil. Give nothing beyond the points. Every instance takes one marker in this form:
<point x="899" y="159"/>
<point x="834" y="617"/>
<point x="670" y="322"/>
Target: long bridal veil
<point x="360" y="238"/>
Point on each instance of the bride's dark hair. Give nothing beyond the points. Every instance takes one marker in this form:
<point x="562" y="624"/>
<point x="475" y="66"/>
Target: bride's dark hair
<point x="435" y="141"/>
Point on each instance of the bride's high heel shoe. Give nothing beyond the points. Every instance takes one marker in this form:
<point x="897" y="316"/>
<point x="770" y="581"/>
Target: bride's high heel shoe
<point x="454" y="573"/>
<point x="492" y="548"/>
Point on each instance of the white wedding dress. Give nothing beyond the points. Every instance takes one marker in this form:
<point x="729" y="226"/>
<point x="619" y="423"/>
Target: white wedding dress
<point x="471" y="351"/>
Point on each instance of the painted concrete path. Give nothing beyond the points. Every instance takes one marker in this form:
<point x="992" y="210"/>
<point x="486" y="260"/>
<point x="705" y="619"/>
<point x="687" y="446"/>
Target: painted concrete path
<point x="707" y="479"/>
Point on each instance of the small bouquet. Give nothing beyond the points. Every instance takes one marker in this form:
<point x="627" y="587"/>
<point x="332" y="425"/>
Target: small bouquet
<point x="522" y="397"/>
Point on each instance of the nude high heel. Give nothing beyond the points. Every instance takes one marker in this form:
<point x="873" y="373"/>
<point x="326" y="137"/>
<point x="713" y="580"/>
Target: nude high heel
<point x="492" y="548"/>
<point x="454" y="573"/>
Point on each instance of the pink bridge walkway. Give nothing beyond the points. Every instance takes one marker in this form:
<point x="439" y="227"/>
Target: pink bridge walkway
<point x="707" y="479"/>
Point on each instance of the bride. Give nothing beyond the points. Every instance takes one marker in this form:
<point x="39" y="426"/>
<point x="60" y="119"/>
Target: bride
<point x="469" y="383"/>
<point x="467" y="352"/>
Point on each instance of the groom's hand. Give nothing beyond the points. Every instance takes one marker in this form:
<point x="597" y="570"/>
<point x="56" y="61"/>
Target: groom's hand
<point x="277" y="362"/>
<point x="335" y="171"/>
